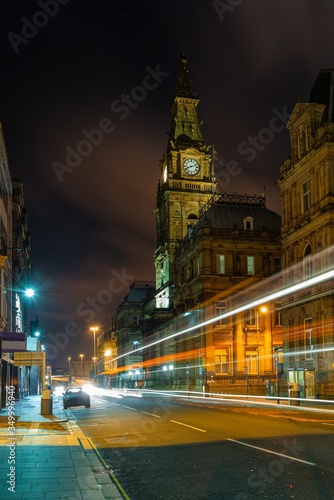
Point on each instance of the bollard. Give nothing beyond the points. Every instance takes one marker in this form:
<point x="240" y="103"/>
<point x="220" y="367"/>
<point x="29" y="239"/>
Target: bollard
<point x="46" y="403"/>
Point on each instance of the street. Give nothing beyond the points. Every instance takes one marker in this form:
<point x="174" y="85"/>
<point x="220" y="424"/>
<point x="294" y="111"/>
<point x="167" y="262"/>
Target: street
<point x="165" y="448"/>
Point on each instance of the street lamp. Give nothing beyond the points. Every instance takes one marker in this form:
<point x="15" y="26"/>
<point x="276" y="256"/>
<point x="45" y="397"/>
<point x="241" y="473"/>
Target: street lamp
<point x="278" y="351"/>
<point x="94" y="330"/>
<point x="81" y="356"/>
<point x="246" y="375"/>
<point x="171" y="368"/>
<point x="94" y="361"/>
<point x="263" y="309"/>
<point x="69" y="370"/>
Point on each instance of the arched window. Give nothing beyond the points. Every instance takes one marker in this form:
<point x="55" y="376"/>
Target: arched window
<point x="191" y="220"/>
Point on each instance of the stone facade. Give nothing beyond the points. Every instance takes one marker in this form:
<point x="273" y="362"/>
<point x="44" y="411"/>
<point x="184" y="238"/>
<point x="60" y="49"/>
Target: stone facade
<point x="306" y="186"/>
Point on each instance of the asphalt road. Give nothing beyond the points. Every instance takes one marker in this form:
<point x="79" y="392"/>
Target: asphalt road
<point x="160" y="448"/>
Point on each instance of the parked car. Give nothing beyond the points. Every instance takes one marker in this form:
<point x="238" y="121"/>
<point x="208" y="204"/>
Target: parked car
<point x="76" y="396"/>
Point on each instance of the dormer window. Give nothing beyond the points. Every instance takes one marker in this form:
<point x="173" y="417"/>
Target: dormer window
<point x="248" y="223"/>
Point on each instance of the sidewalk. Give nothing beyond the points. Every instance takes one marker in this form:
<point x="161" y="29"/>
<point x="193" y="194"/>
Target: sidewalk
<point x="48" y="456"/>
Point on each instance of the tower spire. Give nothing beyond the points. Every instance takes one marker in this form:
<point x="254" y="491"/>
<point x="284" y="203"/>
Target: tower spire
<point x="183" y="88"/>
<point x="185" y="130"/>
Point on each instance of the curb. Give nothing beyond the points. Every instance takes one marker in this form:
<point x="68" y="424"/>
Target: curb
<point x="99" y="467"/>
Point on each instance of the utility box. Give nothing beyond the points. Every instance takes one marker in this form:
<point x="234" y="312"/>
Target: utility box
<point x="46" y="403"/>
<point x="294" y="392"/>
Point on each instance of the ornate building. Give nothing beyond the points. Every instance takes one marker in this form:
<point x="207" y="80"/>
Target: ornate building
<point x="186" y="183"/>
<point x="234" y="246"/>
<point x="206" y="245"/>
<point x="135" y="307"/>
<point x="306" y="186"/>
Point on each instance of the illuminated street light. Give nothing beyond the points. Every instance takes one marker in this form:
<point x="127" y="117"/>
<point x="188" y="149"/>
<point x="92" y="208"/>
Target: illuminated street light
<point x="29" y="292"/>
<point x="81" y="356"/>
<point x="94" y="329"/>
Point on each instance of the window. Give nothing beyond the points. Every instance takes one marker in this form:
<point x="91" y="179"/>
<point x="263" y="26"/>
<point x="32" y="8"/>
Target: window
<point x="136" y="344"/>
<point x="307" y="263"/>
<point x="135" y="320"/>
<point x="308" y="330"/>
<point x="221" y="360"/>
<point x="248" y="223"/>
<point x="277" y="264"/>
<point x="306" y="195"/>
<point x="221" y="309"/>
<point x="278" y="318"/>
<point x="250" y="317"/>
<point x="250" y="265"/>
<point x="162" y="299"/>
<point x="191" y="221"/>
<point x="221" y="264"/>
<point x="251" y="361"/>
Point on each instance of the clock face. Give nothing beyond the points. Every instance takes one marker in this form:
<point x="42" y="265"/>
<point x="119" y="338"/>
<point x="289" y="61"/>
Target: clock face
<point x="191" y="166"/>
<point x="165" y="174"/>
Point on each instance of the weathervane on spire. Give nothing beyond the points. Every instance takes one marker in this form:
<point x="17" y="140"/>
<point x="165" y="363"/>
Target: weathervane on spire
<point x="184" y="84"/>
<point x="183" y="50"/>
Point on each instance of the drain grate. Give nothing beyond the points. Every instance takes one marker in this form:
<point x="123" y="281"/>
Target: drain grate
<point x="18" y="437"/>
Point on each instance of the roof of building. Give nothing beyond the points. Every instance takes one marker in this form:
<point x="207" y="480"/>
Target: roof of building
<point x="322" y="93"/>
<point x="231" y="216"/>
<point x="140" y="293"/>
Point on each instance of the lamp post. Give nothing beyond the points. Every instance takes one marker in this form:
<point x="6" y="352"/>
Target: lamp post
<point x="277" y="351"/>
<point x="94" y="330"/>
<point x="94" y="361"/>
<point x="263" y="309"/>
<point x="246" y="375"/>
<point x="171" y="368"/>
<point x="69" y="370"/>
<point x="81" y="356"/>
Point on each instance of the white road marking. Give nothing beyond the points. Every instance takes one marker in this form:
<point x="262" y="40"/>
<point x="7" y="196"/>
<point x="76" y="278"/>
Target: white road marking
<point x="325" y="423"/>
<point x="272" y="452"/>
<point x="152" y="414"/>
<point x="186" y="425"/>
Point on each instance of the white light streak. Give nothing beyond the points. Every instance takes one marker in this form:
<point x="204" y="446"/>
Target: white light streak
<point x="255" y="303"/>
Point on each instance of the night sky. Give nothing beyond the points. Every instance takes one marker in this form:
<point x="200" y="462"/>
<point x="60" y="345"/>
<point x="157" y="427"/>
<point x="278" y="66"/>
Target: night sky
<point x="67" y="69"/>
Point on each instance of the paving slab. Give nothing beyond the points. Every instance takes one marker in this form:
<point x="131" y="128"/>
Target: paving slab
<point x="49" y="457"/>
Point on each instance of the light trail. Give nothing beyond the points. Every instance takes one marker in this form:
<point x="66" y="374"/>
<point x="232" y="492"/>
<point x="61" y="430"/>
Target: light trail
<point x="255" y="303"/>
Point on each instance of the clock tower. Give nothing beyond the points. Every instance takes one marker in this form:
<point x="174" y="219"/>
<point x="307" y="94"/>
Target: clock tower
<point x="186" y="183"/>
